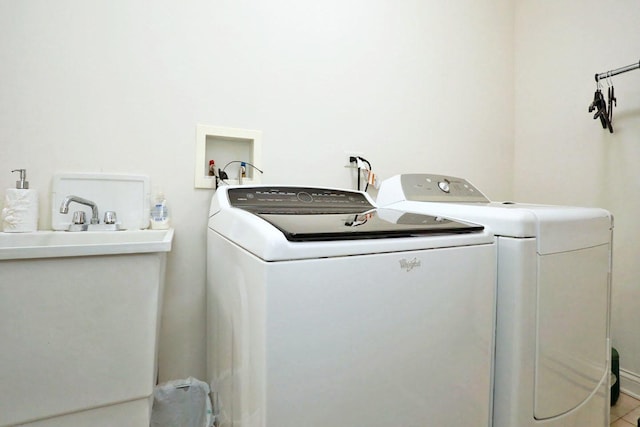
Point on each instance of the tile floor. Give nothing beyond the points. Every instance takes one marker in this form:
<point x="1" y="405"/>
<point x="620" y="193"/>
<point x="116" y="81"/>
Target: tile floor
<point x="626" y="412"/>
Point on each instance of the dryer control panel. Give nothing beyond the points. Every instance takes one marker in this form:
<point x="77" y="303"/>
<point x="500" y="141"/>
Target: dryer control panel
<point x="439" y="188"/>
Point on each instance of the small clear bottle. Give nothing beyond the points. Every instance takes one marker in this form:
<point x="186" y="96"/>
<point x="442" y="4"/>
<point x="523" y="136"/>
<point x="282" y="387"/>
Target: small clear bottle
<point x="159" y="215"/>
<point x="242" y="172"/>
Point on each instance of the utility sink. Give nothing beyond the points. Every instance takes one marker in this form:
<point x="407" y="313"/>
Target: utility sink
<point x="79" y="317"/>
<point x="53" y="244"/>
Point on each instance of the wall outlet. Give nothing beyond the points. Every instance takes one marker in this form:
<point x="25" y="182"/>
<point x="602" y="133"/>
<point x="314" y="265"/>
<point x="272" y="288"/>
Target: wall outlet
<point x="349" y="154"/>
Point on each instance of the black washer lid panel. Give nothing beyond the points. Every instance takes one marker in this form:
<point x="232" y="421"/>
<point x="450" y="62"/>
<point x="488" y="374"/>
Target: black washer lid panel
<point x="298" y="200"/>
<point x="366" y="225"/>
<point x="304" y="214"/>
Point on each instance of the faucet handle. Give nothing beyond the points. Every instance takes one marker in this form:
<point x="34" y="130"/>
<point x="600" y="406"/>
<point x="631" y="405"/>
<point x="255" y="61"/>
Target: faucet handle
<point x="79" y="217"/>
<point x="110" y="217"/>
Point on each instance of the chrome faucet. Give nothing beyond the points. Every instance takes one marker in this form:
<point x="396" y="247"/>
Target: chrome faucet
<point x="64" y="207"/>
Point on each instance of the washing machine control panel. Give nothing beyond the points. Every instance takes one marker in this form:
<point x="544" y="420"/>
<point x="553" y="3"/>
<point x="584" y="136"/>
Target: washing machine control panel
<point x="298" y="200"/>
<point x="440" y="188"/>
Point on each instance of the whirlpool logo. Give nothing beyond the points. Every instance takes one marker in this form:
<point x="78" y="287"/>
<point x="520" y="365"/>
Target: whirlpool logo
<point x="409" y="265"/>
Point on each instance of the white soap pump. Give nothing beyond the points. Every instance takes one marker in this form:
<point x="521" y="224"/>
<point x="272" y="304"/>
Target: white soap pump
<point x="159" y="219"/>
<point x="20" y="212"/>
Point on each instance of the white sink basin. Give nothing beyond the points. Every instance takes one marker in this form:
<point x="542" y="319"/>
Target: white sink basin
<point x="79" y="318"/>
<point x="50" y="244"/>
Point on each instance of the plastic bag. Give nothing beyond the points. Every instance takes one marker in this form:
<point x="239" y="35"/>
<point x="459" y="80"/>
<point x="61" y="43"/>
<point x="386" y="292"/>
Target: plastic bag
<point x="182" y="403"/>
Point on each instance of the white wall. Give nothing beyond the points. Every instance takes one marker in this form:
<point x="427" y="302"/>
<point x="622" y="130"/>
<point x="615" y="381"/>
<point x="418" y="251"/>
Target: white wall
<point x="562" y="155"/>
<point x="119" y="86"/>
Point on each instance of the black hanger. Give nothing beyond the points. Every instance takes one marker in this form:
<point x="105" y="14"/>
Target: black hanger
<point x="600" y="105"/>
<point x="612" y="101"/>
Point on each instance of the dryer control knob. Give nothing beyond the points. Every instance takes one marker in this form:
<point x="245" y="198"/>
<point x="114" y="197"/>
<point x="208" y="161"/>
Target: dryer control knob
<point x="444" y="186"/>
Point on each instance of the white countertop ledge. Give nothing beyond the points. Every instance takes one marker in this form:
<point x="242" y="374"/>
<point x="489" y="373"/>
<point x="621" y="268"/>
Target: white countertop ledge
<point x="56" y="244"/>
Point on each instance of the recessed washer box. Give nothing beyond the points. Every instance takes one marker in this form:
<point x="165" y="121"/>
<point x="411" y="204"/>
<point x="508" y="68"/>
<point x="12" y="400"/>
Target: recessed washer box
<point x="227" y="147"/>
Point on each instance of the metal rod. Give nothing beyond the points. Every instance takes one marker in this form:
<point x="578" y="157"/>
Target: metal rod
<point x="618" y="71"/>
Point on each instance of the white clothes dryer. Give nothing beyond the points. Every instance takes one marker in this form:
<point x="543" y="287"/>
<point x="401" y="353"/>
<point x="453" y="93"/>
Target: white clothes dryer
<point x="554" y="281"/>
<point x="324" y="311"/>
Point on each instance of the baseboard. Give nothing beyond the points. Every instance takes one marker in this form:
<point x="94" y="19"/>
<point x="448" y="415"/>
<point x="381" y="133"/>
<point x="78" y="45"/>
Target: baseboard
<point x="630" y="383"/>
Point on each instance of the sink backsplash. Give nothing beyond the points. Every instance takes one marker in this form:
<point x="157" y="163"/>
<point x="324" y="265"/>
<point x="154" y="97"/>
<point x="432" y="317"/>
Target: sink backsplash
<point x="127" y="195"/>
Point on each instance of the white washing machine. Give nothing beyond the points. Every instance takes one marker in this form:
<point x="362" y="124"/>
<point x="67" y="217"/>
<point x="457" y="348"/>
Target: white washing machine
<point x="324" y="311"/>
<point x="554" y="275"/>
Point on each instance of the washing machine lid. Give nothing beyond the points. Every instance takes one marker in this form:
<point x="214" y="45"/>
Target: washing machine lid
<point x="317" y="214"/>
<point x="239" y="219"/>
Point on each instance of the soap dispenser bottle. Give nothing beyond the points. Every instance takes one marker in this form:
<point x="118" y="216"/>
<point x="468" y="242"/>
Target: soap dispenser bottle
<point x="159" y="218"/>
<point x="20" y="212"/>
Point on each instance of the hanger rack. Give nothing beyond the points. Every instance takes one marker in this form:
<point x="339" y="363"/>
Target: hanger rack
<point x="602" y="107"/>
<point x="617" y="71"/>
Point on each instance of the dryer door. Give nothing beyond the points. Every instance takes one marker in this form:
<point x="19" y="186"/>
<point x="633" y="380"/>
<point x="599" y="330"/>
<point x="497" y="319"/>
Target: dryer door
<point x="571" y="351"/>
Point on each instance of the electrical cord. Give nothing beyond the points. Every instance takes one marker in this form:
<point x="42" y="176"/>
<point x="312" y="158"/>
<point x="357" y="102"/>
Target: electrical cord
<point x="357" y="160"/>
<point x="223" y="175"/>
<point x="368" y="172"/>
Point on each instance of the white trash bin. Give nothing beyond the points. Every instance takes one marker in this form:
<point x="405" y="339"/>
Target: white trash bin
<point x="182" y="403"/>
